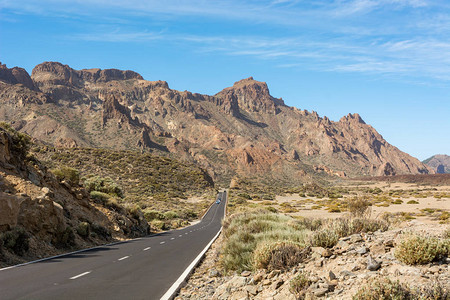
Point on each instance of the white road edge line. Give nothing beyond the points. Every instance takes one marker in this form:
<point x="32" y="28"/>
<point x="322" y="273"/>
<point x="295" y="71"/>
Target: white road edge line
<point x="177" y="284"/>
<point x="125" y="257"/>
<point x="145" y="249"/>
<point x="79" y="275"/>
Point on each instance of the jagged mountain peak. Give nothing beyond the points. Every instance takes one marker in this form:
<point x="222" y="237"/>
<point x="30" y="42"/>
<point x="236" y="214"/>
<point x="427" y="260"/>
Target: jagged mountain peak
<point x="352" y="118"/>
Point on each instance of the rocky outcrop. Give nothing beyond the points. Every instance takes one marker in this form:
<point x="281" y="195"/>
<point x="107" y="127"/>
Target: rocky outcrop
<point x="16" y="75"/>
<point x="112" y="109"/>
<point x="250" y="95"/>
<point x="55" y="73"/>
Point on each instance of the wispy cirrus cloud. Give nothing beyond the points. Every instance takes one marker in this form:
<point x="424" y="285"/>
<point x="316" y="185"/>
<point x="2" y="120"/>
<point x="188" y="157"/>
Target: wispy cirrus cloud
<point x="403" y="37"/>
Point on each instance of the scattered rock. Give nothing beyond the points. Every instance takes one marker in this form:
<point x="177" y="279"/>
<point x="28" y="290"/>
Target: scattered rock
<point x="331" y="275"/>
<point x="321" y="251"/>
<point x="372" y="264"/>
<point x="246" y="273"/>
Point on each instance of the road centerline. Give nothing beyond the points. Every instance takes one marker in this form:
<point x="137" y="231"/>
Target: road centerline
<point x="125" y="257"/>
<point x="80" y="275"/>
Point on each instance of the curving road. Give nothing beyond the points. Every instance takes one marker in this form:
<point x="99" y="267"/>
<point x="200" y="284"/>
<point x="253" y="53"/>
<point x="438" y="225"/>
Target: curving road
<point x="143" y="268"/>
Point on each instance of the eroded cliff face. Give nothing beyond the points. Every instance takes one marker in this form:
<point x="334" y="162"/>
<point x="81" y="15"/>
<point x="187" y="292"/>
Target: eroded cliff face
<point x="241" y="130"/>
<point x="41" y="216"/>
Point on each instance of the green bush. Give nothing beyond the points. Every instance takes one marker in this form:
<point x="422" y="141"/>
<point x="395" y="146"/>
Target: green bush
<point x="100" y="196"/>
<point x="104" y="185"/>
<point x="84" y="229"/>
<point x="67" y="173"/>
<point x="65" y="238"/>
<point x="150" y="215"/>
<point x="159" y="225"/>
<point x="100" y="230"/>
<point x="412" y="202"/>
<point x="415" y="249"/>
<point x="169" y="215"/>
<point x="16" y="240"/>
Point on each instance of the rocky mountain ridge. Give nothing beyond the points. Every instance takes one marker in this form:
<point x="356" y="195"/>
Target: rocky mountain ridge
<point x="241" y="130"/>
<point x="440" y="163"/>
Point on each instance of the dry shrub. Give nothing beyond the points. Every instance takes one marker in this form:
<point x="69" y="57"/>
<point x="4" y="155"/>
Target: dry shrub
<point x="299" y="284"/>
<point x="383" y="289"/>
<point x="334" y="229"/>
<point x="434" y="291"/>
<point x="359" y="207"/>
<point x="279" y="255"/>
<point x="386" y="289"/>
<point x="326" y="238"/>
<point x="415" y="249"/>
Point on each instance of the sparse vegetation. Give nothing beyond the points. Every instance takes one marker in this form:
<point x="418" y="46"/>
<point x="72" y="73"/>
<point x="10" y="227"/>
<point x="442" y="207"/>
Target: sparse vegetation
<point x="414" y="249"/>
<point x="260" y="239"/>
<point x="119" y="178"/>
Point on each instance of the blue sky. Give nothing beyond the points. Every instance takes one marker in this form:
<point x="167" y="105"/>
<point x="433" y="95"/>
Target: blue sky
<point x="388" y="60"/>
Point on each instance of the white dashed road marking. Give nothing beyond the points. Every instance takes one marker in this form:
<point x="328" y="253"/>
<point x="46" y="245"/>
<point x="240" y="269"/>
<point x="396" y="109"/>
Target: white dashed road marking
<point x="125" y="257"/>
<point x="145" y="249"/>
<point x="162" y="243"/>
<point x="172" y="238"/>
<point x="79" y="275"/>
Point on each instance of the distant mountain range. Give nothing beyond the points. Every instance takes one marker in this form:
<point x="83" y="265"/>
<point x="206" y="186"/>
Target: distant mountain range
<point x="440" y="163"/>
<point x="241" y="130"/>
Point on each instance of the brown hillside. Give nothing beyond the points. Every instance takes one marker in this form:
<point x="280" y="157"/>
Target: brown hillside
<point x="42" y="216"/>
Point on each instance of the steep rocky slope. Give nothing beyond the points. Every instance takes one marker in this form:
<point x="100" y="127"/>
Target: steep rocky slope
<point x="241" y="130"/>
<point x="440" y="163"/>
<point x="41" y="216"/>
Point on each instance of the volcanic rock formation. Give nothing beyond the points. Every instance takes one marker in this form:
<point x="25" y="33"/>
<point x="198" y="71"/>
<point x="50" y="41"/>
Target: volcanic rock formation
<point x="242" y="130"/>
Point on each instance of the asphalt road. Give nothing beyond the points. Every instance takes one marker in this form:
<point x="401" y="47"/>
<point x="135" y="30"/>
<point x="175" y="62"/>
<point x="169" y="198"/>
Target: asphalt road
<point x="143" y="268"/>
